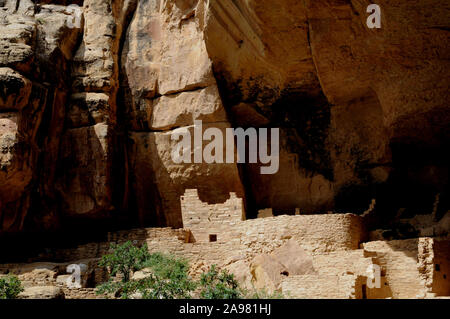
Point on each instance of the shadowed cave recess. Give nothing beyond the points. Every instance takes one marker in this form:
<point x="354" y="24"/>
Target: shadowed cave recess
<point x="86" y="113"/>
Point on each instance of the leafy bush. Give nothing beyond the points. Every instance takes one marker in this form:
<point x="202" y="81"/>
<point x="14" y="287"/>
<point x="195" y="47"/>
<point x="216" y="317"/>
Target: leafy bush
<point x="10" y="287"/>
<point x="219" y="285"/>
<point x="125" y="259"/>
<point x="167" y="266"/>
<point x="118" y="289"/>
<point x="156" y="287"/>
<point x="168" y="278"/>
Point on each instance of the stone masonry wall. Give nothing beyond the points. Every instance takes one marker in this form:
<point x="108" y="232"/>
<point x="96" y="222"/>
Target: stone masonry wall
<point x="335" y="243"/>
<point x="315" y="233"/>
<point x="236" y="239"/>
<point x="441" y="268"/>
<point x="207" y="221"/>
<point x="408" y="264"/>
<point x="315" y="287"/>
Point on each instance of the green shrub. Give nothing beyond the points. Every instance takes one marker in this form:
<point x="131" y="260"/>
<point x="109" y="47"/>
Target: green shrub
<point x="219" y="285"/>
<point x="156" y="287"/>
<point x="10" y="287"/>
<point x="168" y="278"/>
<point x="125" y="259"/>
<point x="118" y="289"/>
<point x="167" y="266"/>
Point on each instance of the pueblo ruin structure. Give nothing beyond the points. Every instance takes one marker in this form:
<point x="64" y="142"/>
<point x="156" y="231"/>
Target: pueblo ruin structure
<point x="90" y="99"/>
<point x="301" y="256"/>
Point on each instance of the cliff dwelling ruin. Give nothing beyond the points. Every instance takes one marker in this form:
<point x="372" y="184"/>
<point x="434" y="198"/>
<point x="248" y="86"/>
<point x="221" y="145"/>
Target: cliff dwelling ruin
<point x="92" y="91"/>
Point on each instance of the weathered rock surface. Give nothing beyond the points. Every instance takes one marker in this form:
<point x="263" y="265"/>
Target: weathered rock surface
<point x="141" y="274"/>
<point x="151" y="153"/>
<point x="42" y="292"/>
<point x="290" y="259"/>
<point x="87" y="111"/>
<point x="31" y="107"/>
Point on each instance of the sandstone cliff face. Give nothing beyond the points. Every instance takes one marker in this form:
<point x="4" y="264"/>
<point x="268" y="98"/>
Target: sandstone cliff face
<point x="35" y="55"/>
<point x="87" y="110"/>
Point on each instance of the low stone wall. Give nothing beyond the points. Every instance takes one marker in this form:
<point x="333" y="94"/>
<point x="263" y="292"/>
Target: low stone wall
<point x="340" y="275"/>
<point x="81" y="293"/>
<point x="138" y="236"/>
<point x="315" y="233"/>
<point x="407" y="264"/>
<point x="225" y="223"/>
<point x="318" y="287"/>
